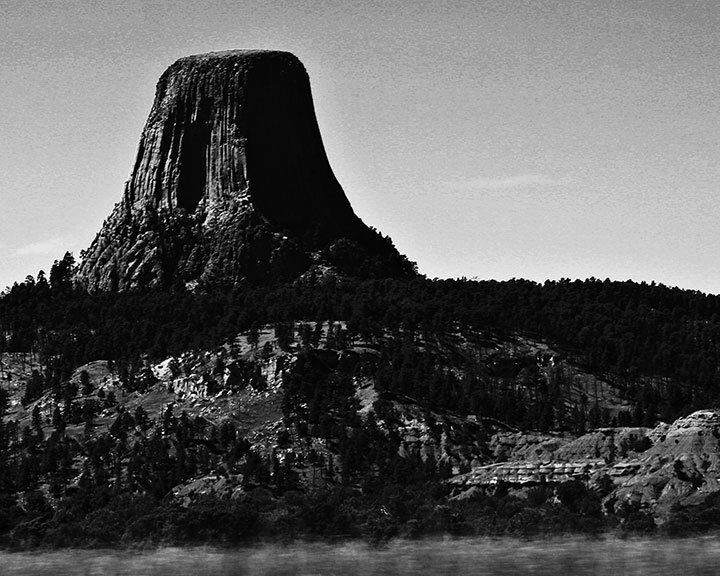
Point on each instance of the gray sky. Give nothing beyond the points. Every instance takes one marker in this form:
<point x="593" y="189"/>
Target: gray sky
<point x="490" y="139"/>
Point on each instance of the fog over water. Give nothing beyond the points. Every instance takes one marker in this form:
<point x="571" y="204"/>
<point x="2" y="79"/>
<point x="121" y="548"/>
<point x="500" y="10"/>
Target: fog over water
<point x="607" y="557"/>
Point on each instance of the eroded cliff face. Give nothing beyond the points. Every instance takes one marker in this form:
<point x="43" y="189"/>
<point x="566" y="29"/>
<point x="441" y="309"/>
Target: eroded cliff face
<point x="231" y="181"/>
<point x="651" y="469"/>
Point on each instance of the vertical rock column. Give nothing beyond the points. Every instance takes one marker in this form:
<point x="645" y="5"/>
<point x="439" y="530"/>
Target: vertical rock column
<point x="231" y="140"/>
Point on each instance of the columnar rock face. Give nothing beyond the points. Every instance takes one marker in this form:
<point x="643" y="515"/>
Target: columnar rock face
<point x="231" y="182"/>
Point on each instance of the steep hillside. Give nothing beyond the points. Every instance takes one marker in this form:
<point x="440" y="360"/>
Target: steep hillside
<point x="298" y="409"/>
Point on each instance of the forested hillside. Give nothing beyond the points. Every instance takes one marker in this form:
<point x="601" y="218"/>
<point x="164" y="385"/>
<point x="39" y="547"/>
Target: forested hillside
<point x="625" y="329"/>
<point x="334" y="406"/>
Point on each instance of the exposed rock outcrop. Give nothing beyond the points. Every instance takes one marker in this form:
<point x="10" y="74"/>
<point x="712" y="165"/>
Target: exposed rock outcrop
<point x="653" y="469"/>
<point x="231" y="182"/>
<point x="682" y="466"/>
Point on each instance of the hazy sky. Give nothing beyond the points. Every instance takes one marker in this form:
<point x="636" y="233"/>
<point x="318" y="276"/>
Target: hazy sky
<point x="491" y="139"/>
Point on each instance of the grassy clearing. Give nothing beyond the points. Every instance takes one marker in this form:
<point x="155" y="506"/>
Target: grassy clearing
<point x="576" y="557"/>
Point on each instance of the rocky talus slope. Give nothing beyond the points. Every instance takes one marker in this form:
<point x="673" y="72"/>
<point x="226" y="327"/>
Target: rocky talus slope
<point x="231" y="182"/>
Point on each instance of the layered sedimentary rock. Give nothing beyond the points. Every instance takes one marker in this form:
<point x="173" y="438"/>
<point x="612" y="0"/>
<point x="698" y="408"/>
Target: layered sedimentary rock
<point x="231" y="182"/>
<point x="650" y="469"/>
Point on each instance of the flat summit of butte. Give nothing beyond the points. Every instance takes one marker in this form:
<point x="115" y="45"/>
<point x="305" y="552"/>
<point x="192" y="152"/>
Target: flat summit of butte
<point x="231" y="184"/>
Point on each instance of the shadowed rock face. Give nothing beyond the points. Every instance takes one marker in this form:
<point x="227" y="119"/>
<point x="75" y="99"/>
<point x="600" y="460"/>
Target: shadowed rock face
<point x="231" y="181"/>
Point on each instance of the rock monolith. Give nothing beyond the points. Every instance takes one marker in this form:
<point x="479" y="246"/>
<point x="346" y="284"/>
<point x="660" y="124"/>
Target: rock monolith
<point x="231" y="183"/>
